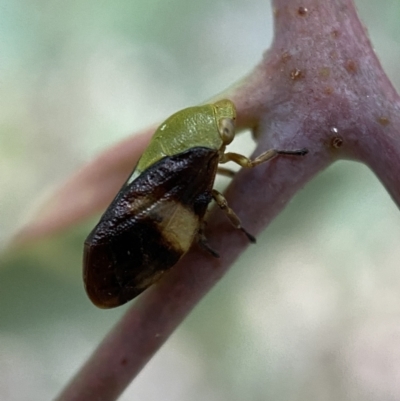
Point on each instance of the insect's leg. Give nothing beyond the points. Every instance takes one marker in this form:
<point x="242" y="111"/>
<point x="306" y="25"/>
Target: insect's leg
<point x="226" y="172"/>
<point x="233" y="218"/>
<point x="268" y="155"/>
<point x="202" y="240"/>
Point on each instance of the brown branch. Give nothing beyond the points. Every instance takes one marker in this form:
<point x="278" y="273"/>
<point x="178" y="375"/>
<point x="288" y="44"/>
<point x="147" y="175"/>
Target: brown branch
<point x="320" y="86"/>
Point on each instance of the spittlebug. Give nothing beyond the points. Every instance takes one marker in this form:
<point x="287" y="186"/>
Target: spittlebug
<point x="159" y="212"/>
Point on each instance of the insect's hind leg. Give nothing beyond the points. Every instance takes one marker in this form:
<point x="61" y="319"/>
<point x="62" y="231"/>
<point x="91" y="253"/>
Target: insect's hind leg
<point x="264" y="157"/>
<point x="233" y="218"/>
<point x="202" y="241"/>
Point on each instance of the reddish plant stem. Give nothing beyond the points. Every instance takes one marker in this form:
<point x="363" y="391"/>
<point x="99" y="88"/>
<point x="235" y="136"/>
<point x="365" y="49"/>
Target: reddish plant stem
<point x="320" y="86"/>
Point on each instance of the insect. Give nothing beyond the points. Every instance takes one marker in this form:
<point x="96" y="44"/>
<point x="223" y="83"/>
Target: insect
<point x="159" y="212"/>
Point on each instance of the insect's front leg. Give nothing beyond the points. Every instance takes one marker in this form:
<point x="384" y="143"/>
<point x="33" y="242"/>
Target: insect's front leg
<point x="264" y="157"/>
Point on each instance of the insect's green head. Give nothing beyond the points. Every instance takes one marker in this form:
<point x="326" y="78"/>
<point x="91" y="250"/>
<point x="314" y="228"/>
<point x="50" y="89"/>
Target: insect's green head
<point x="210" y="125"/>
<point x="225" y="114"/>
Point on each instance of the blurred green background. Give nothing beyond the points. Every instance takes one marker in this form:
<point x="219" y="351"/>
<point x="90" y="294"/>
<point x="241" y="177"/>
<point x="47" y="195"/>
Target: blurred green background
<point x="312" y="312"/>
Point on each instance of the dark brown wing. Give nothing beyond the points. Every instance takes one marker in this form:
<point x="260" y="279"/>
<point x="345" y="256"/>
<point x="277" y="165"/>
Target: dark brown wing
<point x="148" y="227"/>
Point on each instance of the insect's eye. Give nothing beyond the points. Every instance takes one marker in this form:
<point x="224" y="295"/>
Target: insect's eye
<point x="226" y="127"/>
